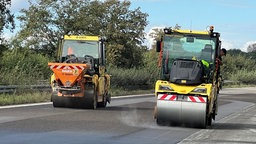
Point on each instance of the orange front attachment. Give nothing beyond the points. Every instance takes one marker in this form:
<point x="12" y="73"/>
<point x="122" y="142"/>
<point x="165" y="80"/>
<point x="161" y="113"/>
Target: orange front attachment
<point x="68" y="73"/>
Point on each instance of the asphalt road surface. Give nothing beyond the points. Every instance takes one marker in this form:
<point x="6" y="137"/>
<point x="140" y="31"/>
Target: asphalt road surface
<point x="127" y="121"/>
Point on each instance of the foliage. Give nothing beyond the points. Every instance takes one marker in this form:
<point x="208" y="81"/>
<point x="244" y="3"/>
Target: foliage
<point x="244" y="76"/>
<point x="251" y="47"/>
<point x="239" y="67"/>
<point x="234" y="52"/>
<point x="23" y="66"/>
<point x="6" y="18"/>
<point x="130" y="79"/>
<point x="158" y="32"/>
<point x="137" y="78"/>
<point x="252" y="55"/>
<point x="151" y="58"/>
<point x="45" y="21"/>
<point x="3" y="48"/>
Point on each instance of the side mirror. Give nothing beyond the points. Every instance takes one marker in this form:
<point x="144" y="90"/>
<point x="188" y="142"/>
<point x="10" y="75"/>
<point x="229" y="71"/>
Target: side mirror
<point x="158" y="46"/>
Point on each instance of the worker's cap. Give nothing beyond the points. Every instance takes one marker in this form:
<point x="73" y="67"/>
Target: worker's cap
<point x="224" y="51"/>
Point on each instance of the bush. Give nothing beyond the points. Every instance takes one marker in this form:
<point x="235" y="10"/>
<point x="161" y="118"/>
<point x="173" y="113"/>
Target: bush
<point x="137" y="78"/>
<point x="22" y="66"/>
<point x="244" y="77"/>
<point x="131" y="78"/>
<point x="239" y="68"/>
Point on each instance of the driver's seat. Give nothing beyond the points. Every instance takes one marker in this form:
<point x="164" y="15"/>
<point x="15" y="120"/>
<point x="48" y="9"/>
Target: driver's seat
<point x="206" y="53"/>
<point x="90" y="60"/>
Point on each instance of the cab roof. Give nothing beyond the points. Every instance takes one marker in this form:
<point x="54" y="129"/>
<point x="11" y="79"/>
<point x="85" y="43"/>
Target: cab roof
<point x="192" y="32"/>
<point x="81" y="37"/>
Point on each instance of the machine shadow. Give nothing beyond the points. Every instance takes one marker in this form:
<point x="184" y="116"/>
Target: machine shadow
<point x="233" y="126"/>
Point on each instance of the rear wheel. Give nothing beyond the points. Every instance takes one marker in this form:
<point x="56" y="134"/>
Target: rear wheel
<point x="103" y="104"/>
<point x="94" y="102"/>
<point x="56" y="101"/>
<point x="209" y="120"/>
<point x="159" y="122"/>
<point x="90" y="97"/>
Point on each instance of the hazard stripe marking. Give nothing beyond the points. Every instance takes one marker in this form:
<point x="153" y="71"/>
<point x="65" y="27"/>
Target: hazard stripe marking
<point x="167" y="97"/>
<point x="202" y="99"/>
<point x="81" y="67"/>
<point x="196" y="99"/>
<point x="67" y="67"/>
<point x="163" y="96"/>
<point x="173" y="97"/>
<point x="191" y="98"/>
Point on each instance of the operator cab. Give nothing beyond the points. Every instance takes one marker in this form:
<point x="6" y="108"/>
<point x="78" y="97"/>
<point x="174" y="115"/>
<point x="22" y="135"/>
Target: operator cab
<point x="188" y="57"/>
<point x="83" y="49"/>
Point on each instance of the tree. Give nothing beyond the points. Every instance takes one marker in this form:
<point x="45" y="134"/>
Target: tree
<point x="7" y="19"/>
<point x="252" y="55"/>
<point x="45" y="21"/>
<point x="235" y="52"/>
<point x="158" y="32"/>
<point x="251" y="47"/>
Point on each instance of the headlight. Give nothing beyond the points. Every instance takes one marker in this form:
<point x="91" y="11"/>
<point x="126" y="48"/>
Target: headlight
<point x="200" y="90"/>
<point x="161" y="87"/>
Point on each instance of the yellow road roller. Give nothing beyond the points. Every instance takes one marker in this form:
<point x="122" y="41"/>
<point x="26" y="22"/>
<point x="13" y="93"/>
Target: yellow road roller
<point x="187" y="91"/>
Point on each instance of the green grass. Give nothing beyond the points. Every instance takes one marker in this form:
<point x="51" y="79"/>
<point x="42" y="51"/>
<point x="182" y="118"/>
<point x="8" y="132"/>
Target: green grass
<point x="239" y="85"/>
<point x="24" y="98"/>
<point x="120" y="92"/>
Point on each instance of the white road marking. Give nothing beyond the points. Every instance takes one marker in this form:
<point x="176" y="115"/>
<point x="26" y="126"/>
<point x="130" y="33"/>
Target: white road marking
<point x="47" y="103"/>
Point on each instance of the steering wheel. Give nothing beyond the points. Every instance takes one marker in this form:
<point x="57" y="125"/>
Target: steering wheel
<point x="71" y="59"/>
<point x="88" y="57"/>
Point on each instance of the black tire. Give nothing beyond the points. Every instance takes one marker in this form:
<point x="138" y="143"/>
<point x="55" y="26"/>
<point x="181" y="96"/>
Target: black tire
<point x="94" y="102"/>
<point x="56" y="101"/>
<point x="209" y="120"/>
<point x="66" y="102"/>
<point x="90" y="97"/>
<point x="104" y="103"/>
<point x="159" y="122"/>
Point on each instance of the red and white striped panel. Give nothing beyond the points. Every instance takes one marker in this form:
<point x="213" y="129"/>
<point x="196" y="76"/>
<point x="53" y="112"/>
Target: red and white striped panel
<point x="197" y="99"/>
<point x="67" y="67"/>
<point x="167" y="97"/>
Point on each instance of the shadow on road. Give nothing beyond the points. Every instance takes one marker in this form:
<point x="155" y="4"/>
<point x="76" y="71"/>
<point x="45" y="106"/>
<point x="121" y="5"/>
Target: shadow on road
<point x="233" y="126"/>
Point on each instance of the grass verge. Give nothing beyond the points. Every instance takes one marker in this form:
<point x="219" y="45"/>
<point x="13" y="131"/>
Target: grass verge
<point x="24" y="98"/>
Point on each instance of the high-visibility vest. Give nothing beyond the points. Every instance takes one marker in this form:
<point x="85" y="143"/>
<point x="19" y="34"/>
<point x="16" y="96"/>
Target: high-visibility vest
<point x="205" y="63"/>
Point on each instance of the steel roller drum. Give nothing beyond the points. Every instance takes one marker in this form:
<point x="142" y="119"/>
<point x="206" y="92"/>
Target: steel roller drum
<point x="87" y="101"/>
<point x="179" y="110"/>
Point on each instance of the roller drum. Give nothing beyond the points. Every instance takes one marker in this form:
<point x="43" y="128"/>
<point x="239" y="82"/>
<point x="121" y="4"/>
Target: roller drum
<point x="87" y="101"/>
<point x="181" y="112"/>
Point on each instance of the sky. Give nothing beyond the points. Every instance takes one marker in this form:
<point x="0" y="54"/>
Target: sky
<point x="233" y="19"/>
